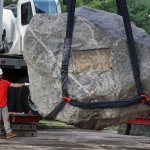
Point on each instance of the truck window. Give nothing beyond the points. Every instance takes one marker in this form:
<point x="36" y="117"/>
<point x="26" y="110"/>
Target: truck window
<point x="26" y="13"/>
<point x="45" y="6"/>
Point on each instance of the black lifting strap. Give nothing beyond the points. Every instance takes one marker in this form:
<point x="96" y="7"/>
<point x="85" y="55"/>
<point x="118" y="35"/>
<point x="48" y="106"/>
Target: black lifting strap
<point x="123" y="11"/>
<point x="118" y="7"/>
<point x="67" y="47"/>
<point x="103" y="105"/>
<point x="66" y="57"/>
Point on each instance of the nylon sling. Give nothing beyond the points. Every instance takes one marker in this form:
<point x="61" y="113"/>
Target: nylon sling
<point x="123" y="11"/>
<point x="66" y="57"/>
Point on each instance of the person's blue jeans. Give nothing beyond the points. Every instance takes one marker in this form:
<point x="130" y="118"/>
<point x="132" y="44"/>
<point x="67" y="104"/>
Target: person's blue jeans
<point x="5" y="116"/>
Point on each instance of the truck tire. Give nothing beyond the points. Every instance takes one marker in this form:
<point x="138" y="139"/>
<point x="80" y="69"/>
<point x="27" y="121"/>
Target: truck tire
<point x="24" y="98"/>
<point x="10" y="99"/>
<point x="17" y="107"/>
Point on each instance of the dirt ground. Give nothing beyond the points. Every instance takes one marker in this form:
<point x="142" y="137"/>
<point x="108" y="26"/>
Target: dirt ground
<point x="76" y="139"/>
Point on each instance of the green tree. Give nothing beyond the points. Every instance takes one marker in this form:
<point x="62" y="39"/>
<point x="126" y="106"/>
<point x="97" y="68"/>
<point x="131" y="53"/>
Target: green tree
<point x="107" y="5"/>
<point x="9" y="2"/>
<point x="139" y="10"/>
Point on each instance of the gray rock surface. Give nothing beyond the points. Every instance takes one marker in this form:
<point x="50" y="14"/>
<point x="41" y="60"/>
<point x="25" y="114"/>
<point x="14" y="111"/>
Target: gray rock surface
<point x="99" y="69"/>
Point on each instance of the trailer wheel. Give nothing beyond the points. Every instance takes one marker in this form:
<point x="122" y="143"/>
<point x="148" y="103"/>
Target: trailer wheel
<point x="10" y="99"/>
<point x="24" y="98"/>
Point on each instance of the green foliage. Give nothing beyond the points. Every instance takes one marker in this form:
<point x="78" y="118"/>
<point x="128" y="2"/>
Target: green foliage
<point x="107" y="5"/>
<point x="9" y="2"/>
<point x="53" y="123"/>
<point x="139" y="11"/>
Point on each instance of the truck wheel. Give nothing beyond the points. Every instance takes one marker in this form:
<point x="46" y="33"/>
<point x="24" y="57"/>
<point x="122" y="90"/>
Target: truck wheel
<point x="10" y="99"/>
<point x="24" y="98"/>
<point x="17" y="107"/>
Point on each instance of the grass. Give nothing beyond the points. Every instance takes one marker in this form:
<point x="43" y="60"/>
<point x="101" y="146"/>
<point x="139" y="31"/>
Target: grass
<point x="114" y="128"/>
<point x="62" y="124"/>
<point x="53" y="123"/>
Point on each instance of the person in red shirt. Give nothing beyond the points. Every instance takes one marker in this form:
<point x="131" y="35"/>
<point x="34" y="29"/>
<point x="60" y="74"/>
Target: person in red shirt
<point x="4" y="85"/>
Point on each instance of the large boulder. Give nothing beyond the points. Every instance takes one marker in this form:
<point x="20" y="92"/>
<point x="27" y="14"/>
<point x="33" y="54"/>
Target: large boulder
<point x="99" y="70"/>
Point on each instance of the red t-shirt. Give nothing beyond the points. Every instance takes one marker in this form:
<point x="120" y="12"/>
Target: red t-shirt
<point x="3" y="92"/>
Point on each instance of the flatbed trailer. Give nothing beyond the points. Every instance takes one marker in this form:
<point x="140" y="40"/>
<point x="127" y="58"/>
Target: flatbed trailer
<point x="140" y="121"/>
<point x="25" y="125"/>
<point x="24" y="118"/>
<point x="128" y="127"/>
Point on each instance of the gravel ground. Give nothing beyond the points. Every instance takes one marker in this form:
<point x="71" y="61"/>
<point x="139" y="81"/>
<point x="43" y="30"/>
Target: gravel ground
<point x="76" y="139"/>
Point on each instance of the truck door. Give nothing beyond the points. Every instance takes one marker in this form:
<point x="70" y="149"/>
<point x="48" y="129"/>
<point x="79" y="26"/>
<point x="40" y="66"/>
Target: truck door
<point x="25" y="11"/>
<point x="25" y="16"/>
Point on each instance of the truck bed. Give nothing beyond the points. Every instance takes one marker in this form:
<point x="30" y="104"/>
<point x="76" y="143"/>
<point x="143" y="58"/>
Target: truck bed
<point x="12" y="61"/>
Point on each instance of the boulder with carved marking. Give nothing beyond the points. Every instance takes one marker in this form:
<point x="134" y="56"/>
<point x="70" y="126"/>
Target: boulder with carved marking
<point x="99" y="70"/>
